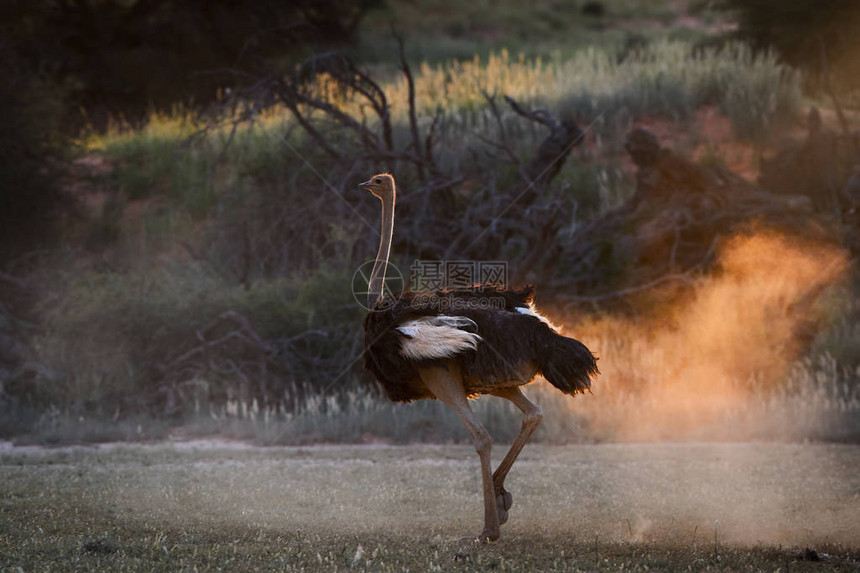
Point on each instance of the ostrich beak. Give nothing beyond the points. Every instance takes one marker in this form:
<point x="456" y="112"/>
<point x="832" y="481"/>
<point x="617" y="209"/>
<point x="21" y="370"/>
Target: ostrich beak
<point x="366" y="185"/>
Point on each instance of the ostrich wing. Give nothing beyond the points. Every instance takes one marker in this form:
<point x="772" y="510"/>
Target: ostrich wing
<point x="439" y="336"/>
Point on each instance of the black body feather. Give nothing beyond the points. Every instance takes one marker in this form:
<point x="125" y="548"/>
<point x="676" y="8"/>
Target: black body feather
<point x="510" y="341"/>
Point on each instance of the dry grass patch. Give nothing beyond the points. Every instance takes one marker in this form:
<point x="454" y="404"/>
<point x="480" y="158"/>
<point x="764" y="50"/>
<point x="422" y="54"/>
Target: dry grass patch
<point x="204" y="505"/>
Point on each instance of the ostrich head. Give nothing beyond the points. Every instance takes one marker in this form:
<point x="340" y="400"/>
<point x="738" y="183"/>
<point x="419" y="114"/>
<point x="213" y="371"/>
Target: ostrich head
<point x="381" y="185"/>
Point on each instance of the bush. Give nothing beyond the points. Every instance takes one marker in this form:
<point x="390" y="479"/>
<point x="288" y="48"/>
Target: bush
<point x="160" y="341"/>
<point x="32" y="148"/>
<point x="805" y="33"/>
<point x="122" y="57"/>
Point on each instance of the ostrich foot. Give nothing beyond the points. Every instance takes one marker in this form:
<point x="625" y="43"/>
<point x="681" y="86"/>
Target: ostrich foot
<point x="486" y="536"/>
<point x="504" y="501"/>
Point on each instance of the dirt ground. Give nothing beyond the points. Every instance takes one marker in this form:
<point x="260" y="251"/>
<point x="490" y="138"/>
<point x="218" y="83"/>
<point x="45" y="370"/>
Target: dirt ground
<point x="220" y="505"/>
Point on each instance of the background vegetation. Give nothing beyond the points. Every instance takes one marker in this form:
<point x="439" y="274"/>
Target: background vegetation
<point x="819" y="40"/>
<point x="187" y="260"/>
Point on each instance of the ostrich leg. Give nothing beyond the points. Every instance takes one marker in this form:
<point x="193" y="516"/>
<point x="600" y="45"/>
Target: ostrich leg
<point x="532" y="417"/>
<point x="446" y="384"/>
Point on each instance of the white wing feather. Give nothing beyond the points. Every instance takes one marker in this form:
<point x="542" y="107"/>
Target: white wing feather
<point x="437" y="337"/>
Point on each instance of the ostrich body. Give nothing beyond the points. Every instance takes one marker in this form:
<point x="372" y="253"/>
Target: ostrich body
<point x="455" y="344"/>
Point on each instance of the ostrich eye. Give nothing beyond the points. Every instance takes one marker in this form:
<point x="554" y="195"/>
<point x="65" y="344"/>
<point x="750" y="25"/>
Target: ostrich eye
<point x="377" y="181"/>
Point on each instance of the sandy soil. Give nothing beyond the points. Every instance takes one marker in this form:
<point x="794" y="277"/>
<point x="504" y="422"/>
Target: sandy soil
<point x="781" y="494"/>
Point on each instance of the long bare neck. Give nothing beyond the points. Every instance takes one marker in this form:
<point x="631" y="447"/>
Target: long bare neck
<point x="377" y="276"/>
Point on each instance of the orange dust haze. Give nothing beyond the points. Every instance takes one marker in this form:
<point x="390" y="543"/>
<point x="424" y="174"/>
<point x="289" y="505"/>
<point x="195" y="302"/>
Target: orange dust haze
<point x="692" y="371"/>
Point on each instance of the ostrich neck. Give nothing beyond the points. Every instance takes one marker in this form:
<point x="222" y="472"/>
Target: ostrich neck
<point x="377" y="276"/>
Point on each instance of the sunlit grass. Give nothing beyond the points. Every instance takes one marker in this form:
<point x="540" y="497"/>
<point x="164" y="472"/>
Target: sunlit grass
<point x="667" y="78"/>
<point x="195" y="162"/>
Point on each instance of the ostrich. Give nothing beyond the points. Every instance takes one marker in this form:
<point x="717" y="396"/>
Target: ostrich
<point x="456" y="344"/>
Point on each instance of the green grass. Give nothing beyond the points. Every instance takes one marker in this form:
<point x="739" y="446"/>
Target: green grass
<point x="219" y="506"/>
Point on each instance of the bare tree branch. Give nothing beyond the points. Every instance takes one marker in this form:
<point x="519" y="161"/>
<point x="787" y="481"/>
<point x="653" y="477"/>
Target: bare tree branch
<point x="413" y="121"/>
<point x="541" y="116"/>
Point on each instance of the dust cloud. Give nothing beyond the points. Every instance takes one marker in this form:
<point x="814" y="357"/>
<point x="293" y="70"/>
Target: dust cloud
<point x="723" y="362"/>
<point x="665" y="494"/>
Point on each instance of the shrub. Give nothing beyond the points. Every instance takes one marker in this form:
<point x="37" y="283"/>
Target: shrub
<point x="32" y="150"/>
<point x="805" y="33"/>
<point x="122" y="57"/>
<point x="141" y="339"/>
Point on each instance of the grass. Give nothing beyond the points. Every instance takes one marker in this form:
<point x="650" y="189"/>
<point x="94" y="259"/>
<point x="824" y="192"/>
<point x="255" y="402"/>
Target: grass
<point x="210" y="506"/>
<point x="818" y="401"/>
<point x="186" y="175"/>
<point x="183" y="180"/>
<point x="107" y="335"/>
<point x="442" y="30"/>
<point x="111" y="331"/>
<point x="664" y="79"/>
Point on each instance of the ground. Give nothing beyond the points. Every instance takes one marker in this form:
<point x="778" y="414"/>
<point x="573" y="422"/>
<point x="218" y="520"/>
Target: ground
<point x="217" y="505"/>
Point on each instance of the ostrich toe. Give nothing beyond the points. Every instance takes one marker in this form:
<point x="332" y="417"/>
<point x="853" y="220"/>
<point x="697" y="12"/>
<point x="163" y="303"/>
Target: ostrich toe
<point x="504" y="501"/>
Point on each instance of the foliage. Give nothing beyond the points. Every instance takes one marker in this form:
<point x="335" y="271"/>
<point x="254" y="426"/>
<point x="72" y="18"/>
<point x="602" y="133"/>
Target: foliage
<point x="119" y="57"/>
<point x="240" y="231"/>
<point x="216" y="289"/>
<point x="444" y="30"/>
<point x="820" y="37"/>
<point x="664" y="78"/>
<point x="200" y="165"/>
<point x="209" y="288"/>
<point x="32" y="149"/>
<point x="122" y="340"/>
<point x="116" y="338"/>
